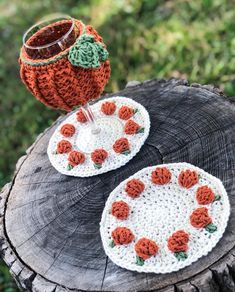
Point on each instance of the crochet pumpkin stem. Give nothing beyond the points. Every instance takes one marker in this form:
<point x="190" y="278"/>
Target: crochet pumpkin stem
<point x="95" y="129"/>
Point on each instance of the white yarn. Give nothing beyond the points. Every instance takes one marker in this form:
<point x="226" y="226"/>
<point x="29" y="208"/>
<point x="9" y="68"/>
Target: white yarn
<point x="114" y="125"/>
<point x="160" y="211"/>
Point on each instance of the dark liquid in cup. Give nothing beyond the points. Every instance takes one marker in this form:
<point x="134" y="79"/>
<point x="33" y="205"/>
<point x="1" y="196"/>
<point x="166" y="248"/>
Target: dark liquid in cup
<point x="47" y="35"/>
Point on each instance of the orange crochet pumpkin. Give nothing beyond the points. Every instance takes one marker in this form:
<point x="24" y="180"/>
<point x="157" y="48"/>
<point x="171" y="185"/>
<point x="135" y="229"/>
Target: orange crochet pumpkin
<point x="145" y="248"/>
<point x="56" y="81"/>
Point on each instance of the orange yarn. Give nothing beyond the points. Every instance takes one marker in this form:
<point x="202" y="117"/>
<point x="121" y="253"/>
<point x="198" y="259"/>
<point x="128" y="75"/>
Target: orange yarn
<point x="205" y="195"/>
<point x="63" y="147"/>
<point x="125" y="112"/>
<point x="145" y="248"/>
<point x="108" y="108"/>
<point x="200" y="218"/>
<point x="188" y="178"/>
<point x="122" y="235"/>
<point x="75" y="158"/>
<point x="120" y="210"/>
<point x="98" y="156"/>
<point x="60" y="84"/>
<point x="178" y="241"/>
<point x="161" y="176"/>
<point x="81" y="116"/>
<point x="67" y="130"/>
<point x="134" y="188"/>
<point x="121" y="145"/>
<point x="131" y="127"/>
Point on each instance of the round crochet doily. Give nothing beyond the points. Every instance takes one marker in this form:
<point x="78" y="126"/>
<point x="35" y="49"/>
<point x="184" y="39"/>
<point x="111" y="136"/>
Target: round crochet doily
<point x="164" y="218"/>
<point x="74" y="150"/>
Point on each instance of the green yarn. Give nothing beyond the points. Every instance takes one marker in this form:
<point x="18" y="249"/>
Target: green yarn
<point x="139" y="261"/>
<point x="87" y="53"/>
<point x="102" y="52"/>
<point x="46" y="62"/>
<point x="112" y="244"/>
<point x="181" y="256"/>
<point x="211" y="228"/>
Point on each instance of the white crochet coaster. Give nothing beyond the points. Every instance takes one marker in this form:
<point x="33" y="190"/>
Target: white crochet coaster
<point x="113" y="127"/>
<point x="170" y="225"/>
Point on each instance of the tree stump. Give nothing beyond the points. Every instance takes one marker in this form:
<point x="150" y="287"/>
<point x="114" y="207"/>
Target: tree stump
<point x="50" y="222"/>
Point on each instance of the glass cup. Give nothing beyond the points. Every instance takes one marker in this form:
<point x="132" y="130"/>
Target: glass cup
<point x="47" y="38"/>
<point x="50" y="36"/>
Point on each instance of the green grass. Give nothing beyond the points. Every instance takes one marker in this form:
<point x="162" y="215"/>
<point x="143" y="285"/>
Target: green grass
<point x="6" y="283"/>
<point x="191" y="39"/>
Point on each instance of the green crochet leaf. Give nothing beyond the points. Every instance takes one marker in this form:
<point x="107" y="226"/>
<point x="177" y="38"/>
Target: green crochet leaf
<point x="87" y="53"/>
<point x="141" y="130"/>
<point x="181" y="256"/>
<point x="112" y="244"/>
<point x="103" y="53"/>
<point x="211" y="228"/>
<point x="97" y="166"/>
<point x="139" y="261"/>
<point x="69" y="167"/>
<point x="126" y="152"/>
<point x="217" y="198"/>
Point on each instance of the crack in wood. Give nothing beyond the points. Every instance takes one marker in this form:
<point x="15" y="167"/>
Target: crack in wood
<point x="64" y="245"/>
<point x="105" y="268"/>
<point x="62" y="213"/>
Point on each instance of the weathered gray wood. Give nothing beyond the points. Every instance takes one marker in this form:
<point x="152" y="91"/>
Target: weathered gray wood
<point x="51" y="235"/>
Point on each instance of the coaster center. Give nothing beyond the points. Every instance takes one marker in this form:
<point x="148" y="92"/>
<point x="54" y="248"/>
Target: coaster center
<point x="111" y="129"/>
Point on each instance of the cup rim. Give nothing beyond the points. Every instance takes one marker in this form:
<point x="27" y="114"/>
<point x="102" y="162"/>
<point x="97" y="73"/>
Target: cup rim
<point x="46" y="19"/>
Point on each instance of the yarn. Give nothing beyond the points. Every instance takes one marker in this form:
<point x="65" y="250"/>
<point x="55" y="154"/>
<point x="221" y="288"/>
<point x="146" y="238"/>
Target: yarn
<point x="87" y="53"/>
<point x="81" y="116"/>
<point x="67" y="130"/>
<point x="188" y="178"/>
<point x="145" y="248"/>
<point x="205" y="195"/>
<point x="122" y="235"/>
<point x="200" y="218"/>
<point x="114" y="127"/>
<point x="125" y="112"/>
<point x="134" y="188"/>
<point x="108" y="108"/>
<point x="75" y="158"/>
<point x="131" y="127"/>
<point x="120" y="210"/>
<point x="98" y="156"/>
<point x="162" y="213"/>
<point x="122" y="146"/>
<point x="63" y="146"/>
<point x="178" y="241"/>
<point x="161" y="176"/>
<point x="56" y="82"/>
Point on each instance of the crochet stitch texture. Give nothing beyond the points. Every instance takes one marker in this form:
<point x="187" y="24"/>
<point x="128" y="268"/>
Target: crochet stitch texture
<point x="169" y="216"/>
<point x="87" y="53"/>
<point x="65" y="82"/>
<point x="97" y="161"/>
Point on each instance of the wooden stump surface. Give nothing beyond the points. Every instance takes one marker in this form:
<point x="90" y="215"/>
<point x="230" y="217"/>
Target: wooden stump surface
<point x="50" y="222"/>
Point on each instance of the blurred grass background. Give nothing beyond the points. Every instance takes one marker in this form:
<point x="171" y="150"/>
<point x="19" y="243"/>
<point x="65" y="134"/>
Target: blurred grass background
<point x="191" y="39"/>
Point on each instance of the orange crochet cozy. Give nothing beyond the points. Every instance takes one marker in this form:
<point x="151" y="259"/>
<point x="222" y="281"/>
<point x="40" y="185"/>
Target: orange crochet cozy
<point x="57" y="82"/>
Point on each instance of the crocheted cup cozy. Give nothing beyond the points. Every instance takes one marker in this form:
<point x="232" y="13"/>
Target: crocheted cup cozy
<point x="71" y="77"/>
<point x="111" y="148"/>
<point x="172" y="223"/>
